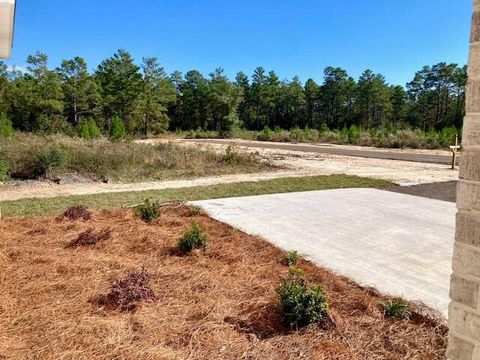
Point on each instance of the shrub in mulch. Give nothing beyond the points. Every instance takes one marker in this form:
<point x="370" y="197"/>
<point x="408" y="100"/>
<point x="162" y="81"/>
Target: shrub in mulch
<point x="91" y="237"/>
<point x="126" y="294"/>
<point x="193" y="238"/>
<point x="149" y="211"/>
<point x="396" y="309"/>
<point x="77" y="212"/>
<point x="300" y="304"/>
<point x="290" y="258"/>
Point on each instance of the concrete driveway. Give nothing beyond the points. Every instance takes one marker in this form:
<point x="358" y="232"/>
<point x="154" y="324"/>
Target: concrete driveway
<point x="400" y="244"/>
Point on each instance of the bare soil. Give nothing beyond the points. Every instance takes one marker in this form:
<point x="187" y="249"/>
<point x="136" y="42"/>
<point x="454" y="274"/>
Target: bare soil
<point x="213" y="304"/>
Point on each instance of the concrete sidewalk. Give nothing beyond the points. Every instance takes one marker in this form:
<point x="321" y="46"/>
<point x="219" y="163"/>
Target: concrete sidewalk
<point x="400" y="244"/>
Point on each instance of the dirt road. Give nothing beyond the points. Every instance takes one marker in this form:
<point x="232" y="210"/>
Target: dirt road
<point x="414" y="156"/>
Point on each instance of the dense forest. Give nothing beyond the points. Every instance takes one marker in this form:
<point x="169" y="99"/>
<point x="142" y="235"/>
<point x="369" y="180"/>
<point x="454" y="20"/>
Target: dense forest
<point x="121" y="97"/>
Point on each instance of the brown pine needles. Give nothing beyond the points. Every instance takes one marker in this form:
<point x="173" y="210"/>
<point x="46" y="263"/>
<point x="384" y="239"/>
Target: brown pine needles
<point x="215" y="304"/>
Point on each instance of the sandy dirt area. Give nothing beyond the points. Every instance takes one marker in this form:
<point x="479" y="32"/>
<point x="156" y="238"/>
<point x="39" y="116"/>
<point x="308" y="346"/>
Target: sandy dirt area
<point x="293" y="163"/>
<point x="401" y="172"/>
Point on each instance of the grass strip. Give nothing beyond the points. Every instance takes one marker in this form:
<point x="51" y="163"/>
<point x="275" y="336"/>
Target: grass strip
<point x="41" y="207"/>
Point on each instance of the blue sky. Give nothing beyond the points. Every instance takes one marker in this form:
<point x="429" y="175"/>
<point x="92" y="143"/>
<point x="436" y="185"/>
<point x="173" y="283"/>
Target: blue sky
<point x="292" y="37"/>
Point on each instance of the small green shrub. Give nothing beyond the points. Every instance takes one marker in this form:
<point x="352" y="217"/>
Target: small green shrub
<point x="3" y="170"/>
<point x="396" y="308"/>
<point x="117" y="130"/>
<point x="301" y="305"/>
<point x="194" y="238"/>
<point x="291" y="258"/>
<point x="265" y="135"/>
<point x="47" y="160"/>
<point x="446" y="136"/>
<point x="297" y="134"/>
<point x="149" y="211"/>
<point x="6" y="128"/>
<point x="231" y="155"/>
<point x="354" y="133"/>
<point x="89" y="130"/>
<point x="324" y="128"/>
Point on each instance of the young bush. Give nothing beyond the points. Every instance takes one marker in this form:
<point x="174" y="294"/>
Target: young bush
<point x="194" y="238"/>
<point x="354" y="133"/>
<point x="90" y="130"/>
<point x="6" y="128"/>
<point x="149" y="211"/>
<point x="297" y="134"/>
<point x="48" y="160"/>
<point x="117" y="130"/>
<point x="396" y="308"/>
<point x="231" y="155"/>
<point x="446" y="136"/>
<point x="265" y="135"/>
<point x="301" y="305"/>
<point x="77" y="212"/>
<point x="291" y="258"/>
<point x="3" y="170"/>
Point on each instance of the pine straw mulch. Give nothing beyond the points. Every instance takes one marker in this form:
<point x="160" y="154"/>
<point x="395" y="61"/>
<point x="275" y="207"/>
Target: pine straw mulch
<point x="217" y="304"/>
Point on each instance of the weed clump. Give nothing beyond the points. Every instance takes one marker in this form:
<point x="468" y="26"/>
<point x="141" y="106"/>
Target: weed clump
<point x="125" y="294"/>
<point x="90" y="237"/>
<point x="149" y="211"/>
<point x="290" y="258"/>
<point x="301" y="305"/>
<point x="77" y="212"/>
<point x="231" y="155"/>
<point x="396" y="309"/>
<point x="194" y="238"/>
<point x="195" y="210"/>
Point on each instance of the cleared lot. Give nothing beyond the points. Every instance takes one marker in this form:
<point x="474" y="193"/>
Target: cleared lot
<point x="398" y="243"/>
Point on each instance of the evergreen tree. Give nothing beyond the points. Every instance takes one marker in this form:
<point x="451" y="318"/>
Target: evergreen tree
<point x="45" y="92"/>
<point x="81" y="95"/>
<point x="312" y="93"/>
<point x="120" y="85"/>
<point x="195" y="101"/>
<point x="225" y="98"/>
<point x="373" y="99"/>
<point x="158" y="92"/>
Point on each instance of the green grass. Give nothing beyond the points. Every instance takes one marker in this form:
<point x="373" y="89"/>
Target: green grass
<point x="34" y="207"/>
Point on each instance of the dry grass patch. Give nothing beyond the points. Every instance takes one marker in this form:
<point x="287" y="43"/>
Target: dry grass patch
<point x="28" y="156"/>
<point x="215" y="304"/>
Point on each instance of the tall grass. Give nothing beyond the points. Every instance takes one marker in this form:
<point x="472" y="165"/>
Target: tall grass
<point x="28" y="156"/>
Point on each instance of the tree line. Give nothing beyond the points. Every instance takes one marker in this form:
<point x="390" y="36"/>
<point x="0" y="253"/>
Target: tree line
<point x="123" y="97"/>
